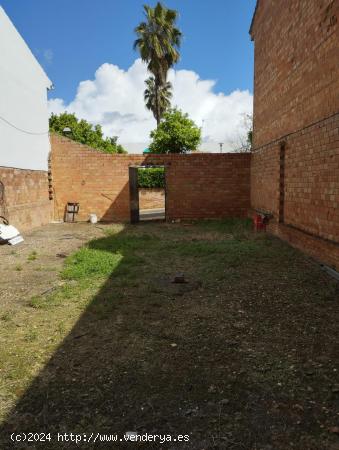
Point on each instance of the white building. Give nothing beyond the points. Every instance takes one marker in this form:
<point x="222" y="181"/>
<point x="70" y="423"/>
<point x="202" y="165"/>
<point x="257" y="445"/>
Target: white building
<point x="24" y="140"/>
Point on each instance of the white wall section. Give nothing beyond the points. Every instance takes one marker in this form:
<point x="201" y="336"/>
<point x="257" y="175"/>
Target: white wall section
<point x="24" y="140"/>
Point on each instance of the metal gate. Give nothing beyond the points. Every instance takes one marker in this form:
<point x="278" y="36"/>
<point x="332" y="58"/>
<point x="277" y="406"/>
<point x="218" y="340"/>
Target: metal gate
<point x="134" y="194"/>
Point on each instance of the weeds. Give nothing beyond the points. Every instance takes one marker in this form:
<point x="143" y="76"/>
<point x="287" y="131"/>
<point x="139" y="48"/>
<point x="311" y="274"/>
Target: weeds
<point x="32" y="256"/>
<point x="7" y="316"/>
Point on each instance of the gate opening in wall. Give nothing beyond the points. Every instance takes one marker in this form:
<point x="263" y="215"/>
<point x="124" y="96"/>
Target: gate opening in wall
<point x="147" y="185"/>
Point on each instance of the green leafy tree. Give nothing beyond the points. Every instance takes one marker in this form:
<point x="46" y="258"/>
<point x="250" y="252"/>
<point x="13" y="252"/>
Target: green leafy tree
<point x="163" y="95"/>
<point x="158" y="41"/>
<point x="153" y="177"/>
<point x="84" y="132"/>
<point x="177" y="133"/>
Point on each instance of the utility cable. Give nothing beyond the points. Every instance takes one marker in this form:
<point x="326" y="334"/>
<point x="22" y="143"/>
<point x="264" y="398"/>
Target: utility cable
<point x="23" y="131"/>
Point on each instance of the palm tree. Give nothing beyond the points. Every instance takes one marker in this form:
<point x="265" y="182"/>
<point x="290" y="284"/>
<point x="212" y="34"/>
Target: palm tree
<point x="158" y="43"/>
<point x="162" y="95"/>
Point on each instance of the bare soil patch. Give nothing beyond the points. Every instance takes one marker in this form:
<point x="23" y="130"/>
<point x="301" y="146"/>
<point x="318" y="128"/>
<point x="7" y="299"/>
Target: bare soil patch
<point x="33" y="267"/>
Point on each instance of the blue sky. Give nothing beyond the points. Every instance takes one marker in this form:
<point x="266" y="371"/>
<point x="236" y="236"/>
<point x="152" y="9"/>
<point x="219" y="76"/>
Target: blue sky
<point x="74" y="39"/>
<point x="80" y="35"/>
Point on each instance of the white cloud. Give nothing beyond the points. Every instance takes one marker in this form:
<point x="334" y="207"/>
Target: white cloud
<point x="115" y="100"/>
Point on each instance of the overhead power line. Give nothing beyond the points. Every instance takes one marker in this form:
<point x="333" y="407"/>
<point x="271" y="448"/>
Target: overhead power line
<point x="20" y="129"/>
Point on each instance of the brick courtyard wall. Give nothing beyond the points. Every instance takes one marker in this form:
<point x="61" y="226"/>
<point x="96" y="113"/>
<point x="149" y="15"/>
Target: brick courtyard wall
<point x="98" y="181"/>
<point x="26" y="203"/>
<point x="310" y="190"/>
<point x="295" y="160"/>
<point x="296" y="83"/>
<point x="151" y="198"/>
<point x="197" y="185"/>
<point x="211" y="185"/>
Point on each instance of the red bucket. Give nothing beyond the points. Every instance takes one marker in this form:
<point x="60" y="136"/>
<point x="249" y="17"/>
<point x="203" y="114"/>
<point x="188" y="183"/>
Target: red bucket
<point x="258" y="222"/>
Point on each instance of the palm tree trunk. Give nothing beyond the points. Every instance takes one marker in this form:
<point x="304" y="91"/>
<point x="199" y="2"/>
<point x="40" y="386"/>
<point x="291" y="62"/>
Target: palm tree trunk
<point x="157" y="109"/>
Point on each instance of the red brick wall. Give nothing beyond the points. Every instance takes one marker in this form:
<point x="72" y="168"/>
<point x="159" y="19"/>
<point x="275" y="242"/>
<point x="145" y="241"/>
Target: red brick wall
<point x="265" y="171"/>
<point x="208" y="185"/>
<point x="320" y="249"/>
<point x="98" y="181"/>
<point x="312" y="179"/>
<point x="151" y="198"/>
<point x="27" y="204"/>
<point x="296" y="100"/>
<point x="296" y="65"/>
<point x="198" y="185"/>
<point x="311" y="188"/>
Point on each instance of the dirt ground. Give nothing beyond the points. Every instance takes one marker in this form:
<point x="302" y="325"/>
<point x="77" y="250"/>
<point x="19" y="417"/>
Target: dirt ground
<point x="242" y="355"/>
<point x="32" y="268"/>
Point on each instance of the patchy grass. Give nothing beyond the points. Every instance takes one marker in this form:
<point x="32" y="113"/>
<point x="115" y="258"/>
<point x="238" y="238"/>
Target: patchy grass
<point x="243" y="355"/>
<point x="93" y="263"/>
<point x="32" y="256"/>
<point x="7" y="316"/>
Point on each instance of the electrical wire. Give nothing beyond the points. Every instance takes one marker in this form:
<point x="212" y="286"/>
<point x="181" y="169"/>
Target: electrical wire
<point x="20" y="129"/>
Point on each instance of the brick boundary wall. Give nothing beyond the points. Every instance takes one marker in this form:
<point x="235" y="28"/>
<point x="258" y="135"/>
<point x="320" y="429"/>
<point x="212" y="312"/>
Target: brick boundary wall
<point x="211" y="185"/>
<point x="97" y="181"/>
<point x="296" y="81"/>
<point x="309" y="189"/>
<point x="151" y="198"/>
<point x="197" y="185"/>
<point x="295" y="167"/>
<point x="27" y="203"/>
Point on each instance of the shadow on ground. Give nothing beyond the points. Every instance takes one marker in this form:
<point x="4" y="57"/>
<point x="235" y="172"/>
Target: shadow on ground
<point x="242" y="356"/>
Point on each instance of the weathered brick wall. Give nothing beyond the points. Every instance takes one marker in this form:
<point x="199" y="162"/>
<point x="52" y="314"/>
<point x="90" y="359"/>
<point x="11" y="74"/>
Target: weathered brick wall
<point x="296" y="65"/>
<point x="197" y="185"/>
<point x="312" y="180"/>
<point x="151" y="198"/>
<point x="296" y="102"/>
<point x="322" y="250"/>
<point x="310" y="191"/>
<point x="208" y="185"/>
<point x="265" y="169"/>
<point x="98" y="181"/>
<point x="27" y="203"/>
